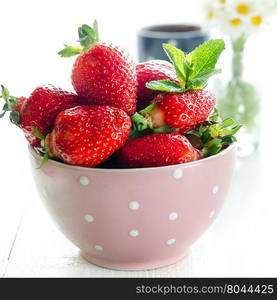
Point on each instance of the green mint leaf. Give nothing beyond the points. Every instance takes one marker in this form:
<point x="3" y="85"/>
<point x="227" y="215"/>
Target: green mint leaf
<point x="165" y="86"/>
<point x="188" y="69"/>
<point x="177" y="57"/>
<point x="69" y="51"/>
<point x="205" y="56"/>
<point x="202" y="79"/>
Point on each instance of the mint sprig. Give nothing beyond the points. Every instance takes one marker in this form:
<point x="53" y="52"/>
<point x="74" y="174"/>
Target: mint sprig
<point x="193" y="70"/>
<point x="88" y="36"/>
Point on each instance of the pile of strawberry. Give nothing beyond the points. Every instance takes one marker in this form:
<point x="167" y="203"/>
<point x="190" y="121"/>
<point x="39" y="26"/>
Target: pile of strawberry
<point x="175" y="122"/>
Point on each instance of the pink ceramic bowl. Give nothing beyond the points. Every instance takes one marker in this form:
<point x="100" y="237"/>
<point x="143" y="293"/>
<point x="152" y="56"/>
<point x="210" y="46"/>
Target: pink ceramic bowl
<point x="135" y="219"/>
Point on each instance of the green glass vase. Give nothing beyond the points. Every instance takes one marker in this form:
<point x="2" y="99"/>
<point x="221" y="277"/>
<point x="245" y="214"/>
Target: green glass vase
<point x="240" y="100"/>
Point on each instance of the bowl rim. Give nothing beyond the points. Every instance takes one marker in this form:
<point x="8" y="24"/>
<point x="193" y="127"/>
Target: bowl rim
<point x="148" y="33"/>
<point x="230" y="148"/>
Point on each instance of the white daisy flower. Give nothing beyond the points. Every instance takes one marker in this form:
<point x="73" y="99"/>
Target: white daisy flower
<point x="237" y="17"/>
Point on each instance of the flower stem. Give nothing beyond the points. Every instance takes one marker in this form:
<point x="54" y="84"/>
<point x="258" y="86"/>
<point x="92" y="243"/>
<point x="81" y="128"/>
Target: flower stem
<point x="238" y="46"/>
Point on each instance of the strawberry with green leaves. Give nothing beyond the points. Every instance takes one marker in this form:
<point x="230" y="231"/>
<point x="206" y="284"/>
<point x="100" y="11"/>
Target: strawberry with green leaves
<point x="185" y="105"/>
<point x="159" y="148"/>
<point x="87" y="135"/>
<point x="38" y="111"/>
<point x="163" y="149"/>
<point x="102" y="74"/>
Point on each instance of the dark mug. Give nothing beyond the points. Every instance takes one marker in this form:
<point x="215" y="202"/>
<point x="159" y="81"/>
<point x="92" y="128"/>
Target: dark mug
<point x="182" y="36"/>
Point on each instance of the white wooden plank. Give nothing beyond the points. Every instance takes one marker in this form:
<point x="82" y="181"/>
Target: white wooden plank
<point x="16" y="183"/>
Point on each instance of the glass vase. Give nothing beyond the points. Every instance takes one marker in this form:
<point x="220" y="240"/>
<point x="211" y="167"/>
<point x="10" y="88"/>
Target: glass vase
<point x="240" y="100"/>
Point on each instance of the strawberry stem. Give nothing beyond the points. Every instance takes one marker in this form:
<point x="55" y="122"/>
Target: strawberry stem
<point x="144" y="112"/>
<point x="10" y="101"/>
<point x="214" y="134"/>
<point x="88" y="37"/>
<point x="139" y="122"/>
<point x="9" y="106"/>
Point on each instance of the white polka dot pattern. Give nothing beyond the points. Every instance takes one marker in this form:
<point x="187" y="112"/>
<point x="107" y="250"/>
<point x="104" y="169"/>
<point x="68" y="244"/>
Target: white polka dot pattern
<point x="89" y="218"/>
<point x="98" y="248"/>
<point x="134" y="205"/>
<point x="84" y="180"/>
<point x="173" y="216"/>
<point x="134" y="233"/>
<point x="178" y="173"/>
<point x="171" y="242"/>
<point x="215" y="189"/>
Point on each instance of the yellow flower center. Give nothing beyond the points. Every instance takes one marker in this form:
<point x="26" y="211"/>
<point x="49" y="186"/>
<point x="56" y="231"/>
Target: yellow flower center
<point x="235" y="22"/>
<point x="222" y="1"/>
<point x="243" y="9"/>
<point x="210" y="15"/>
<point x="257" y="20"/>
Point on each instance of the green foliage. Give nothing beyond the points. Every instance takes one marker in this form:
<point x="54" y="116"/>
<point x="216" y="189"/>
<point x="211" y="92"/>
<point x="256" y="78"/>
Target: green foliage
<point x="193" y="70"/>
<point x="9" y="105"/>
<point x="88" y="36"/>
<point x="165" y="86"/>
<point x="214" y="134"/>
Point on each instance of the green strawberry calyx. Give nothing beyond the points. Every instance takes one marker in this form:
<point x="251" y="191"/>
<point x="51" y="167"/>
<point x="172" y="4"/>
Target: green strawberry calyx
<point x="9" y="106"/>
<point x="193" y="70"/>
<point x="214" y="135"/>
<point x="88" y="37"/>
<point x="141" y="126"/>
<point x="44" y="154"/>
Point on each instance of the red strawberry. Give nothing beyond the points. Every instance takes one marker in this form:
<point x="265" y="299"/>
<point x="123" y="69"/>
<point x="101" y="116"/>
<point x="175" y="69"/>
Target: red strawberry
<point x="103" y="74"/>
<point x="87" y="135"/>
<point x="39" y="110"/>
<point x="183" y="105"/>
<point x="183" y="111"/>
<point x="150" y="71"/>
<point x="156" y="150"/>
<point x="20" y="103"/>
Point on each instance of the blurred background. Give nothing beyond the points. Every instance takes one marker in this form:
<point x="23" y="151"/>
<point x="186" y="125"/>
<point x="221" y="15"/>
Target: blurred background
<point x="32" y="32"/>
